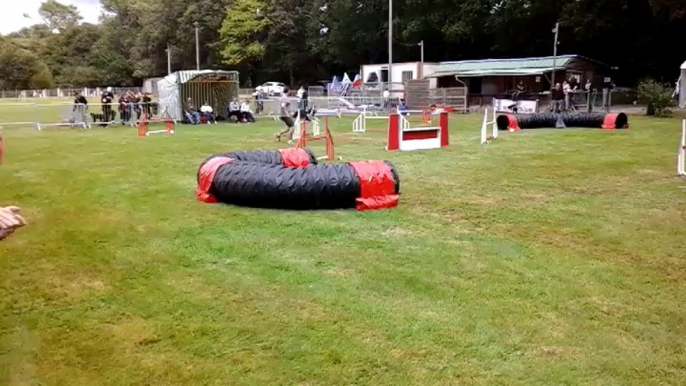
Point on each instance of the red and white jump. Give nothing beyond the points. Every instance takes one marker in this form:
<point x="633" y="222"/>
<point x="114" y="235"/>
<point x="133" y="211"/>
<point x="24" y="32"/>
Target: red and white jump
<point x="405" y="138"/>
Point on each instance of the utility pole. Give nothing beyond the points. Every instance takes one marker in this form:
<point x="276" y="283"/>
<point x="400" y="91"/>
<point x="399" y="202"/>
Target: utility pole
<point x="556" y="32"/>
<point x="390" y="44"/>
<point x="421" y="59"/>
<point x="197" y="46"/>
<point x="168" y="60"/>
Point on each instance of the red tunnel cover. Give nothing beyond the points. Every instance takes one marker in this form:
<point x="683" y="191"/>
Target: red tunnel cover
<point x="206" y="177"/>
<point x="377" y="187"/>
<point x="295" y="158"/>
<point x="512" y="124"/>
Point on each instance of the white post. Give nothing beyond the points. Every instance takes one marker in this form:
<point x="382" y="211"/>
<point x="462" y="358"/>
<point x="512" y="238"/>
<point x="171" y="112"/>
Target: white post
<point x="681" y="158"/>
<point x="390" y="46"/>
<point x="421" y="60"/>
<point x="495" y="125"/>
<point x="168" y="60"/>
<point x="556" y="31"/>
<point x="197" y="46"/>
<point x="484" y="128"/>
<point x="298" y="127"/>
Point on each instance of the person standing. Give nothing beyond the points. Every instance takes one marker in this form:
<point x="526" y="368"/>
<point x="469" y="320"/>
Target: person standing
<point x="288" y="121"/>
<point x="566" y="89"/>
<point x="106" y="99"/>
<point x="558" y="98"/>
<point x="147" y="105"/>
<point x="80" y="107"/>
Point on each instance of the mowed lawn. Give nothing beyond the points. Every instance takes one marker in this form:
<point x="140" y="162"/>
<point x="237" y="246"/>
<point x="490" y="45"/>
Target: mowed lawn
<point x="549" y="257"/>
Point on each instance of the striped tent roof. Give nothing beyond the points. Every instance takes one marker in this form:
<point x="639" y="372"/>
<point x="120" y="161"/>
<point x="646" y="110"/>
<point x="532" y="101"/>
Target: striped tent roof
<point x="187" y="76"/>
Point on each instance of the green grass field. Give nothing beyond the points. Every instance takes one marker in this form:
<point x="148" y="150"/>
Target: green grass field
<point x="549" y="257"/>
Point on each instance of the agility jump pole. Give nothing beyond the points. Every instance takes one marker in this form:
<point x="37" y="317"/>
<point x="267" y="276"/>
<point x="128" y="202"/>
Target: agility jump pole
<point x="484" y="127"/>
<point x="303" y="139"/>
<point x="144" y="122"/>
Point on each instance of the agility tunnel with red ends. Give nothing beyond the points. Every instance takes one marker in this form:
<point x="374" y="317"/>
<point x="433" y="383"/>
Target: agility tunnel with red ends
<point x="551" y="120"/>
<point x="292" y="179"/>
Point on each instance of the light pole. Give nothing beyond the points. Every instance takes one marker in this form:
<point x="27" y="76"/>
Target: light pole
<point x="555" y="31"/>
<point x="390" y="44"/>
<point x="421" y="59"/>
<point x="168" y="60"/>
<point x="197" y="46"/>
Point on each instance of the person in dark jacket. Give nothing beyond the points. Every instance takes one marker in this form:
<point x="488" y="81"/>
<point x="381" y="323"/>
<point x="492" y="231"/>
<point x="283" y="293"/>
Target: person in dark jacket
<point x="106" y="99"/>
<point x="558" y="98"/>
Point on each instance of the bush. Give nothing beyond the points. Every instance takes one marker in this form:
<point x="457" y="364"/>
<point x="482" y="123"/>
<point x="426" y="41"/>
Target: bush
<point x="658" y="97"/>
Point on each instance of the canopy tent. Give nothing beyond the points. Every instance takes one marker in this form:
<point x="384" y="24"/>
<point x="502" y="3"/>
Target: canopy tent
<point x="217" y="88"/>
<point x="682" y="87"/>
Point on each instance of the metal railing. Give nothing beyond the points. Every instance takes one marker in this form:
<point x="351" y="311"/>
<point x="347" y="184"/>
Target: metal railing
<point x="71" y="115"/>
<point x="62" y="92"/>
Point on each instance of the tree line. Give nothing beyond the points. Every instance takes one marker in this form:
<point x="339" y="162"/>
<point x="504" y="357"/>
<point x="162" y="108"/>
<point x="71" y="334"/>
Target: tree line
<point x="311" y="40"/>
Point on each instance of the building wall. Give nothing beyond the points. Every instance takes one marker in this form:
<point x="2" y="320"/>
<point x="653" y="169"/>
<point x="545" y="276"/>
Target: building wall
<point x="398" y="69"/>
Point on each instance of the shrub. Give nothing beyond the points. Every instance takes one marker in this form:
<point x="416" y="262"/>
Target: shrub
<point x="657" y="96"/>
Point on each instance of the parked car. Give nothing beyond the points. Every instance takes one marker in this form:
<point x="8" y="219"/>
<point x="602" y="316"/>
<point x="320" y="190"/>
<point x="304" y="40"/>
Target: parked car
<point x="272" y="88"/>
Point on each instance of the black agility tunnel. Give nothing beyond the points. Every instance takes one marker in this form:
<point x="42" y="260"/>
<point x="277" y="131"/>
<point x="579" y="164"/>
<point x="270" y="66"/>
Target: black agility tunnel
<point x="550" y="120"/>
<point x="259" y="180"/>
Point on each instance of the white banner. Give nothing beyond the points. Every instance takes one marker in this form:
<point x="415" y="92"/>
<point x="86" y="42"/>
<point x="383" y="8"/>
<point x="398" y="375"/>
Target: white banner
<point x="523" y="107"/>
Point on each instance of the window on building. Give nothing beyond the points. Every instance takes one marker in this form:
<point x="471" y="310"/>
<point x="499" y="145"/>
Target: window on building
<point x="384" y="76"/>
<point x="407" y="75"/>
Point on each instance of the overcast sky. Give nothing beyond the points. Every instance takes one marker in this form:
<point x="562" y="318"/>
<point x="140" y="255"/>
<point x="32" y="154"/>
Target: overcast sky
<point x="12" y="19"/>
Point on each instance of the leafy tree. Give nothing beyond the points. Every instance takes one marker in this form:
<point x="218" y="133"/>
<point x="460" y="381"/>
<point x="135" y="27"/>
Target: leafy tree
<point x="22" y="69"/>
<point x="58" y="16"/>
<point x="244" y="32"/>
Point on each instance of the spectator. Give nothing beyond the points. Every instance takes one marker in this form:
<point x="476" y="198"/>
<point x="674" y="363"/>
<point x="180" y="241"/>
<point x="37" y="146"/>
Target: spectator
<point x="234" y="110"/>
<point x="125" y="108"/>
<point x="80" y="107"/>
<point x="246" y="113"/>
<point x="558" y="98"/>
<point x="402" y="108"/>
<point x="259" y="99"/>
<point x="588" y="85"/>
<point x="191" y="114"/>
<point x="136" y="103"/>
<point x="147" y="105"/>
<point x="10" y="220"/>
<point x="302" y="98"/>
<point x="208" y="112"/>
<point x="386" y="100"/>
<point x="106" y="100"/>
<point x="567" y="89"/>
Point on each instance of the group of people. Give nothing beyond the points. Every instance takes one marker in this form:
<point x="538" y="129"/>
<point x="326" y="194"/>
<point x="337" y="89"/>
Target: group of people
<point x="562" y="95"/>
<point x="129" y="103"/>
<point x="240" y="111"/>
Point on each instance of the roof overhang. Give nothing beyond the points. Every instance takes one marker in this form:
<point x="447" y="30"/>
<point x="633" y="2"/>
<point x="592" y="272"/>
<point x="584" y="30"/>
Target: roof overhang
<point x="480" y="73"/>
